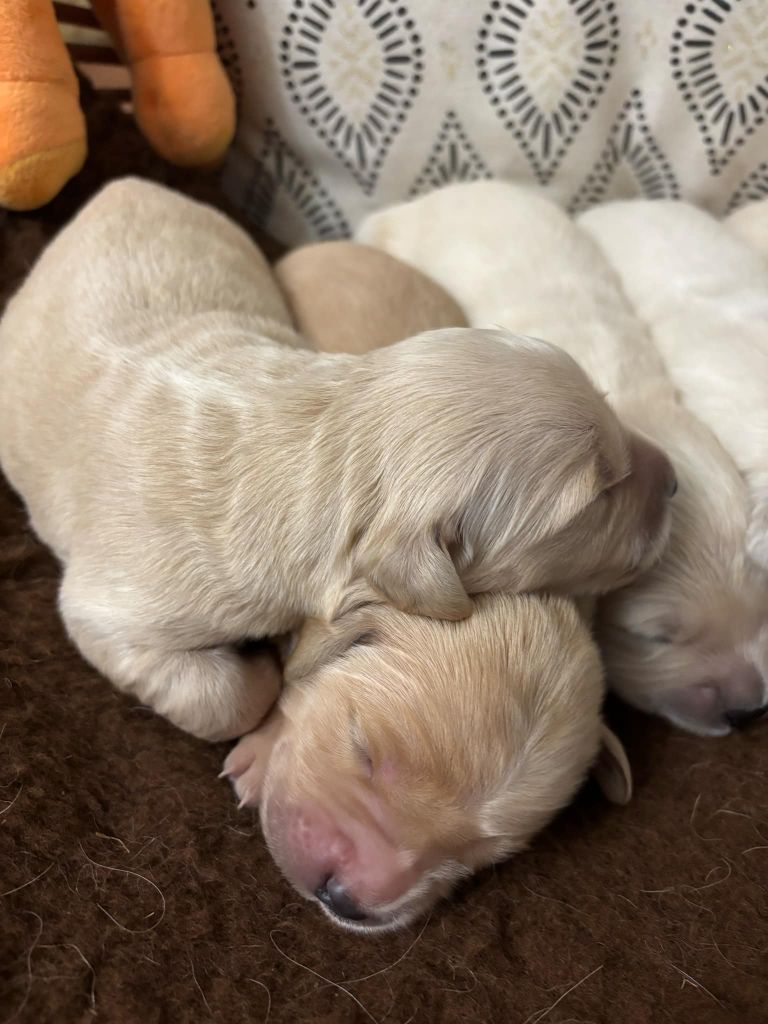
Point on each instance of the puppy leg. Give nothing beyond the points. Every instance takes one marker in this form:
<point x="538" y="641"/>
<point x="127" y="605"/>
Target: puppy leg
<point x="214" y="693"/>
<point x="246" y="765"/>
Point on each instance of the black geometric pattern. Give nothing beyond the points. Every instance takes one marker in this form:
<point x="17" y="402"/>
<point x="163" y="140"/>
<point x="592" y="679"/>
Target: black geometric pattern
<point x="453" y="158"/>
<point x="282" y="184"/>
<point x="355" y="82"/>
<point x="630" y="146"/>
<point x="724" y="84"/>
<point x="754" y="186"/>
<point x="511" y="35"/>
<point x="225" y="44"/>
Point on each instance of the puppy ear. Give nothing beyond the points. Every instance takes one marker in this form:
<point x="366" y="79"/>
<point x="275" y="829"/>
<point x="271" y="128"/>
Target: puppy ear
<point x="611" y="771"/>
<point x="584" y="484"/>
<point x="319" y="642"/>
<point x="418" y="576"/>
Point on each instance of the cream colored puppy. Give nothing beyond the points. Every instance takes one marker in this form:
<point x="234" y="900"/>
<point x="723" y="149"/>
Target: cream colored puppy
<point x="704" y="294"/>
<point x="204" y="482"/>
<point x="684" y="639"/>
<point x="409" y="752"/>
<point x="352" y="298"/>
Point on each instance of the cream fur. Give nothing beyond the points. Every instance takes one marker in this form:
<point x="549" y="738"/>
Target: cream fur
<point x="431" y="766"/>
<point x="204" y="479"/>
<point x="513" y="259"/>
<point x="704" y="293"/>
<point x="352" y="298"/>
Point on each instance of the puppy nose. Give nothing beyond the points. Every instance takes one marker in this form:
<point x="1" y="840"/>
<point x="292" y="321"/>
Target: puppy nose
<point x="334" y="896"/>
<point x="671" y="483"/>
<point x="740" y="718"/>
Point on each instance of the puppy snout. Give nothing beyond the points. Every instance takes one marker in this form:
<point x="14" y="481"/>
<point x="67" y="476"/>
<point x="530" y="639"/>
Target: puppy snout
<point x="740" y="718"/>
<point x="335" y="897"/>
<point x="671" y="490"/>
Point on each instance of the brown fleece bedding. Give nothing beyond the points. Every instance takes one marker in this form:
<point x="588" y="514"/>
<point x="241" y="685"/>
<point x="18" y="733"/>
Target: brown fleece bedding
<point x="132" y="891"/>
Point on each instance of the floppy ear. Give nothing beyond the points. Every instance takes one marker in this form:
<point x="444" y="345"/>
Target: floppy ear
<point x="418" y="576"/>
<point x="583" y="485"/>
<point x="611" y="771"/>
<point x="320" y="642"/>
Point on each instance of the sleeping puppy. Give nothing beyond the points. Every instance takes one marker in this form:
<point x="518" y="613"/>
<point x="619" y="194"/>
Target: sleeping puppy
<point x="409" y="752"/>
<point x="704" y="293"/>
<point x="684" y="640"/>
<point x="204" y="480"/>
<point x="346" y="297"/>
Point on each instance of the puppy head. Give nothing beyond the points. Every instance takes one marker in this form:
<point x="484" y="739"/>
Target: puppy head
<point x="689" y="639"/>
<point x="497" y="467"/>
<point x="416" y="751"/>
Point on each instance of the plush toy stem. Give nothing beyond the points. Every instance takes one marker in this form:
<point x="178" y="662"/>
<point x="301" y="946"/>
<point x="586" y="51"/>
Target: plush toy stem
<point x="183" y="101"/>
<point x="42" y="140"/>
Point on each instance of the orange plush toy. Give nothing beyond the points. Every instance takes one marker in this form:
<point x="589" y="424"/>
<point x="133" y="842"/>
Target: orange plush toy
<point x="182" y="99"/>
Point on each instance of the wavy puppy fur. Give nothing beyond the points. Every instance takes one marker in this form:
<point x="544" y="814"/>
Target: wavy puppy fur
<point x="409" y="752"/>
<point x="205" y="479"/>
<point x="684" y="639"/>
<point x="704" y="293"/>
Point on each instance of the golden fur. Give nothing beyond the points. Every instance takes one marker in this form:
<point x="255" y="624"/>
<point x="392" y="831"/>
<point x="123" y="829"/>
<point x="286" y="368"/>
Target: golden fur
<point x="687" y="639"/>
<point x="205" y="479"/>
<point x="346" y="297"/>
<point x="396" y="774"/>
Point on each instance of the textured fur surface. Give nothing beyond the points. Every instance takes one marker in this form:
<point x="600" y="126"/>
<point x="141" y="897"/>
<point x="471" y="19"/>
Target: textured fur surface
<point x="617" y="904"/>
<point x="346" y="297"/>
<point x="704" y="294"/>
<point x="689" y="638"/>
<point x="205" y="480"/>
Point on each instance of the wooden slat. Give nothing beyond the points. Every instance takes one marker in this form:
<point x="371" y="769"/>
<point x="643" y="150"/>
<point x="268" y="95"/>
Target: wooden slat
<point x="69" y="14"/>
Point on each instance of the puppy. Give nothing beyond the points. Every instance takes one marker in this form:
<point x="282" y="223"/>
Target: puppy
<point x="205" y="480"/>
<point x="408" y="752"/>
<point x="352" y="298"/>
<point x="704" y="294"/>
<point x="683" y="640"/>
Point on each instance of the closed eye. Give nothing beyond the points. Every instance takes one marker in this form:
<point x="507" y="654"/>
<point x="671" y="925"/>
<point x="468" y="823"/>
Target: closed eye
<point x="661" y="639"/>
<point x="361" y="748"/>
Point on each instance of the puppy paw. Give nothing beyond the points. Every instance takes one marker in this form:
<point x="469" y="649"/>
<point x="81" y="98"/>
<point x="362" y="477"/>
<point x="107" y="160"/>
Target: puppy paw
<point x="246" y="764"/>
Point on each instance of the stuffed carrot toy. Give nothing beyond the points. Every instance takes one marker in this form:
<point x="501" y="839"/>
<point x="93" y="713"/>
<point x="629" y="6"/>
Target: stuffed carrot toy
<point x="182" y="99"/>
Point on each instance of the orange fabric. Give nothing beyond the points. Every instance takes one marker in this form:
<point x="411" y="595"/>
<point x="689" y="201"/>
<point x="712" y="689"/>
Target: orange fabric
<point x="42" y="142"/>
<point x="185" y="107"/>
<point x="155" y="28"/>
<point x="182" y="97"/>
<point x="31" y="47"/>
<point x="36" y="116"/>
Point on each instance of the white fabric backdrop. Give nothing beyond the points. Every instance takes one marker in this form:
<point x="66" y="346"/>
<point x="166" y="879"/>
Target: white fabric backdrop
<point x="349" y="105"/>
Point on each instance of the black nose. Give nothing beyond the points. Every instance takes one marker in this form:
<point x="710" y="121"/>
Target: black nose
<point x="672" y="485"/>
<point x="334" y="896"/>
<point x="740" y="719"/>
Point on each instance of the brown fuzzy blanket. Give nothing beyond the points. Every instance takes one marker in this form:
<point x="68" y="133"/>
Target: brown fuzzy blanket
<point x="132" y="891"/>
